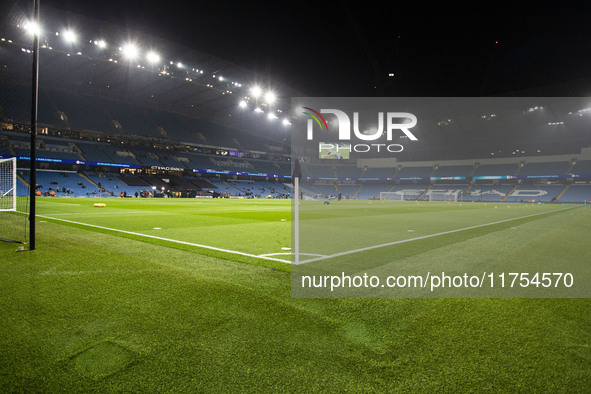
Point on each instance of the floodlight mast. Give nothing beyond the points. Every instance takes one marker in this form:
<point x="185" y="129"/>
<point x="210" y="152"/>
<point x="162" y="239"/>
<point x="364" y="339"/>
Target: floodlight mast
<point x="34" y="101"/>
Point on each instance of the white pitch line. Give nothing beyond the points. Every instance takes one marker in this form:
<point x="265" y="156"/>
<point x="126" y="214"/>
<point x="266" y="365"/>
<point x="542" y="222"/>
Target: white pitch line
<point x="425" y="236"/>
<point x="289" y="253"/>
<point x="168" y="240"/>
<point x="63" y="204"/>
<point x="99" y="213"/>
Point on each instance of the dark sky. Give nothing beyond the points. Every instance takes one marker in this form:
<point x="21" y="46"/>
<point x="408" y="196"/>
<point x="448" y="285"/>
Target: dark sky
<point x="346" y="48"/>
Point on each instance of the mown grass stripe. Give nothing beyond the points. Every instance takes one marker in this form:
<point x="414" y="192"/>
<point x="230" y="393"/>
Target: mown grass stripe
<point x="167" y="239"/>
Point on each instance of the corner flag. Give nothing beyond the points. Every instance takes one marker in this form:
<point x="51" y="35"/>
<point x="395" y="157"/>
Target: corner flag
<point x="297" y="172"/>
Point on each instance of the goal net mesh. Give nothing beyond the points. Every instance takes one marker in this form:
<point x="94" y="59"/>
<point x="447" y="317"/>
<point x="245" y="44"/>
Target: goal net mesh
<point x="13" y="219"/>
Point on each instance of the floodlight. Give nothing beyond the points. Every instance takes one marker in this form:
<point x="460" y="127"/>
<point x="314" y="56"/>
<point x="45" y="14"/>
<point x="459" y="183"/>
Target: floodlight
<point x="270" y="97"/>
<point x="32" y="28"/>
<point x="271" y="116"/>
<point x="286" y="122"/>
<point x="100" y="43"/>
<point x="130" y="51"/>
<point x="258" y="110"/>
<point x="179" y="65"/>
<point x="256" y="91"/>
<point x="69" y="36"/>
<point x="152" y="57"/>
<point x="242" y="104"/>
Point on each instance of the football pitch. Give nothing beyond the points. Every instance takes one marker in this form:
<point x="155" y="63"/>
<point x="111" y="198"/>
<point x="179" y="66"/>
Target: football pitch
<point x="177" y="295"/>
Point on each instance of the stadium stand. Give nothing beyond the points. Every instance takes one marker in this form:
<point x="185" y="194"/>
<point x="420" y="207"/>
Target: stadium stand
<point x="347" y="191"/>
<point x="82" y="112"/>
<point x="549" y="168"/>
<point x="487" y="193"/>
<point x="371" y="191"/>
<point x="534" y="193"/>
<point x="582" y="167"/>
<point x="453" y="171"/>
<point x="415" y="172"/>
<point x="318" y="171"/>
<point x="579" y="194"/>
<point x="496" y="169"/>
<point x="380" y="172"/>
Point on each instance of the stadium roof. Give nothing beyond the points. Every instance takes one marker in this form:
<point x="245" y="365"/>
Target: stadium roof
<point x="181" y="79"/>
<point x="175" y="78"/>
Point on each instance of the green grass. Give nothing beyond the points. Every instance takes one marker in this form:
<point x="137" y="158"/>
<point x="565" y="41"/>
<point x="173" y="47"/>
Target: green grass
<point x="97" y="310"/>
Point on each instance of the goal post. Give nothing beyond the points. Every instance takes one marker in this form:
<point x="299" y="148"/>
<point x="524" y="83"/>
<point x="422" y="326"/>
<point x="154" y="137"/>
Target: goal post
<point x="13" y="217"/>
<point x="8" y="184"/>
<point x="391" y="196"/>
<point x="448" y="195"/>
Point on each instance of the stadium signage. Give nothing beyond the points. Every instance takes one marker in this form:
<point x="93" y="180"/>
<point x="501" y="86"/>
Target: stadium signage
<point x="394" y="122"/>
<point x="78" y="162"/>
<point x="167" y="168"/>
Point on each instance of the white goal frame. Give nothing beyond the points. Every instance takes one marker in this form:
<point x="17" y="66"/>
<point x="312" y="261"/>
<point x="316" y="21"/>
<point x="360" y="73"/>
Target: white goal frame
<point x="391" y="196"/>
<point x="8" y="184"/>
<point x="443" y="196"/>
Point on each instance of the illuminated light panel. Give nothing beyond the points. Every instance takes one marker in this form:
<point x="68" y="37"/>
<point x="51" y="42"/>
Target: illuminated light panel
<point x="152" y="57"/>
<point x="270" y="97"/>
<point x="130" y="51"/>
<point x="69" y="36"/>
<point x="256" y="91"/>
<point x="32" y="28"/>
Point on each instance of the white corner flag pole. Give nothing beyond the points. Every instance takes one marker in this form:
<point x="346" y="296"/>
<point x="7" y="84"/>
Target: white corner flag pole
<point x="296" y="219"/>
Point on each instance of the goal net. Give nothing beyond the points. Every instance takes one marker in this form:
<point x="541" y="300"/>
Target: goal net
<point x="391" y="196"/>
<point x="13" y="209"/>
<point x="8" y="184"/>
<point x="448" y="195"/>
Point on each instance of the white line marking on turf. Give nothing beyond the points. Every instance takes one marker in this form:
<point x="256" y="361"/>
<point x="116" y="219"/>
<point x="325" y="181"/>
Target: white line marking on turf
<point x="167" y="239"/>
<point x="63" y="204"/>
<point x="301" y="254"/>
<point x="425" y="236"/>
<point x="99" y="213"/>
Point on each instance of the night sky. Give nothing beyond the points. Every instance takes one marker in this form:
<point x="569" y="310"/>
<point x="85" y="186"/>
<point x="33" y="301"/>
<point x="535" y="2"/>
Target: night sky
<point x="350" y="48"/>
